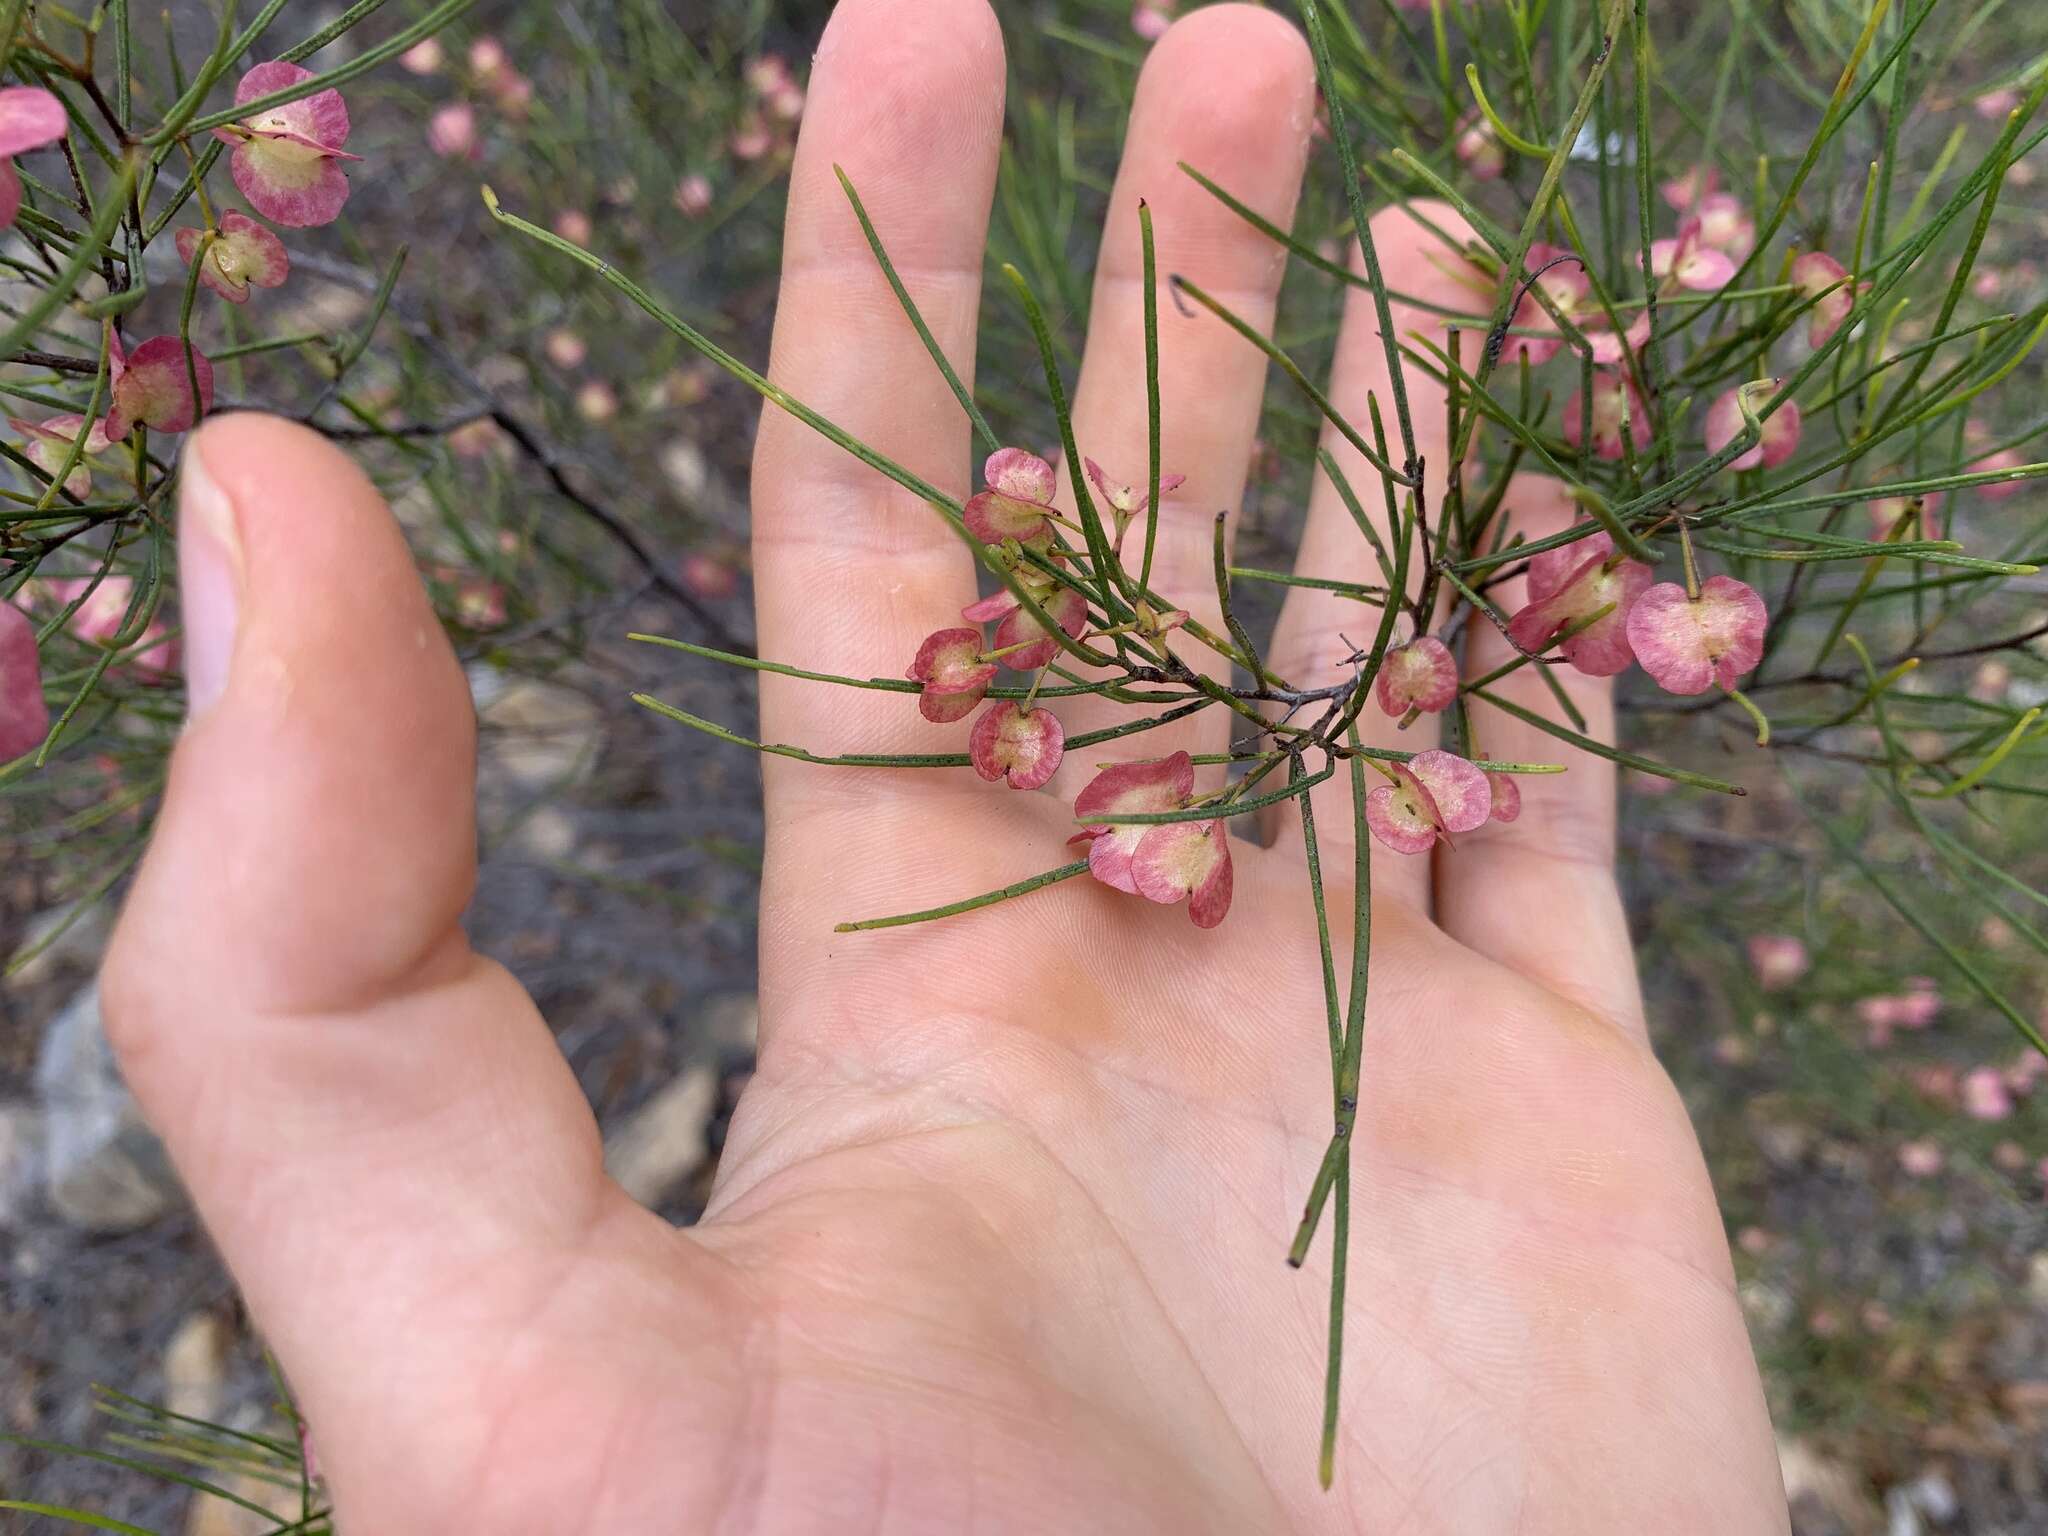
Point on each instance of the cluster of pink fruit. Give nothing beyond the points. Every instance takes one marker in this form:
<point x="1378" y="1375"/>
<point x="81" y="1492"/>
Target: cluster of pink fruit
<point x="1715" y="236"/>
<point x="1602" y="605"/>
<point x="767" y="127"/>
<point x="1603" y="612"/>
<point x="1022" y="743"/>
<point x="774" y="104"/>
<point x="1780" y="961"/>
<point x="101" y="615"/>
<point x="455" y="130"/>
<point x="286" y="161"/>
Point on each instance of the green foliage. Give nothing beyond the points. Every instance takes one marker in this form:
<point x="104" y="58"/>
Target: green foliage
<point x="1896" y="822"/>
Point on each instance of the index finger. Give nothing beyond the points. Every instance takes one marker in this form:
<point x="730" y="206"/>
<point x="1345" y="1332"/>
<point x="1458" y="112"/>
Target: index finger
<point x="851" y="570"/>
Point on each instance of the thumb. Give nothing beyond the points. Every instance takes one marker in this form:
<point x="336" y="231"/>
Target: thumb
<point x="368" y="1114"/>
<point x="321" y="801"/>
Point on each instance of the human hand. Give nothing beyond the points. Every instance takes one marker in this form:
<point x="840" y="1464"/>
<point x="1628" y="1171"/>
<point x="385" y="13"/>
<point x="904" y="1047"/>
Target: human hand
<point x="997" y="1239"/>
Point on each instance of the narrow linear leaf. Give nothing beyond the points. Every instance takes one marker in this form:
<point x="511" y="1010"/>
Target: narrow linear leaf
<point x="972" y="903"/>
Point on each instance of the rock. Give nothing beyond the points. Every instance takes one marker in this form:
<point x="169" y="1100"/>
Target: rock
<point x="1935" y="1496"/>
<point x="2026" y="1400"/>
<point x="682" y="461"/>
<point x="1768" y="1307"/>
<point x="61" y="934"/>
<point x="1902" y="1515"/>
<point x="1828" y="1486"/>
<point x="195" y="1367"/>
<point x="730" y="1022"/>
<point x="416" y="510"/>
<point x="21" y="1159"/>
<point x="2037" y="1278"/>
<point x="486" y="684"/>
<point x="1785" y="1143"/>
<point x="537" y="735"/>
<point x="546" y="833"/>
<point x="501" y="371"/>
<point x="103" y="1168"/>
<point x="663" y="1142"/>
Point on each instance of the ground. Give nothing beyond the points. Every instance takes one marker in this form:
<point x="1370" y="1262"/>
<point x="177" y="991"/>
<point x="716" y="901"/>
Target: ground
<point x="1891" y="1235"/>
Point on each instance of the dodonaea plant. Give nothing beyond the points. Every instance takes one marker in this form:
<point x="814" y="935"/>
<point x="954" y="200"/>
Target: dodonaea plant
<point x="1718" y="378"/>
<point x="1762" y="368"/>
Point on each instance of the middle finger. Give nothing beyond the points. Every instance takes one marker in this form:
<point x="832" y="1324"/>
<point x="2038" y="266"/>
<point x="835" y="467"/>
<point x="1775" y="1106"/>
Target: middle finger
<point x="1231" y="91"/>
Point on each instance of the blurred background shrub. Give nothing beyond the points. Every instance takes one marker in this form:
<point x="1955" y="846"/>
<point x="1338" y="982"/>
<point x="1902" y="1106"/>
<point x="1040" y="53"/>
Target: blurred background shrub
<point x="1836" y="962"/>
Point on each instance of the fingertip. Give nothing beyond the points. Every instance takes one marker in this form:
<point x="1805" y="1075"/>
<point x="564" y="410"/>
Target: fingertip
<point x="1230" y="91"/>
<point x="336" y="638"/>
<point x="927" y="55"/>
<point x="935" y="29"/>
<point x="1419" y="246"/>
<point x="905" y="96"/>
<point x="1266" y="53"/>
<point x="212" y="571"/>
<point x="1567" y="821"/>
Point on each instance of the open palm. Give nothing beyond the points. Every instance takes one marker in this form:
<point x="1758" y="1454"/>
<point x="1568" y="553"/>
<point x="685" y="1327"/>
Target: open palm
<point x="997" y="1241"/>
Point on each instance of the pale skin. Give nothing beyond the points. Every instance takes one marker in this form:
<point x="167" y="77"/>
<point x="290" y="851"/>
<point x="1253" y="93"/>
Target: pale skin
<point x="997" y="1241"/>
